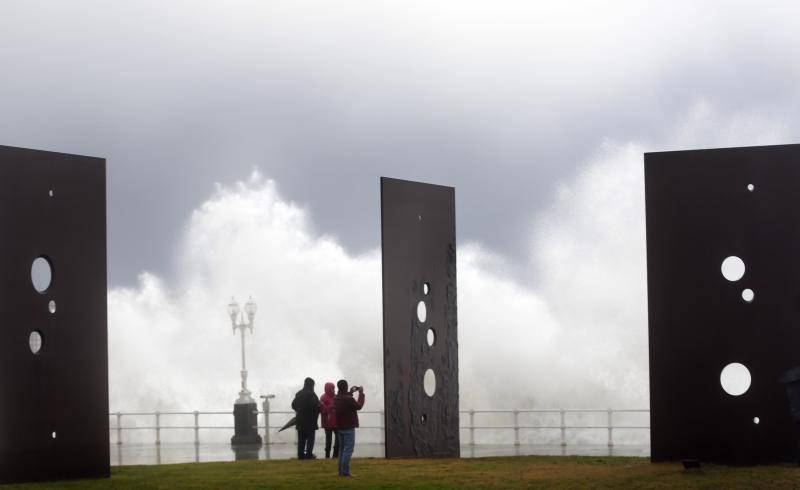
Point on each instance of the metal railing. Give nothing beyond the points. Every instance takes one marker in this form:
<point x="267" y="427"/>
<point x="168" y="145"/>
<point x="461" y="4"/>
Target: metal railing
<point x="562" y="426"/>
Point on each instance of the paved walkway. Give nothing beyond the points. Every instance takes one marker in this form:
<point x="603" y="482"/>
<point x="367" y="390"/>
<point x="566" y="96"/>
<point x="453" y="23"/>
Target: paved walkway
<point x="138" y="454"/>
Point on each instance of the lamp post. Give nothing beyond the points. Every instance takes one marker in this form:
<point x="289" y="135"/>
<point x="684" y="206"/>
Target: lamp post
<point x="245" y="411"/>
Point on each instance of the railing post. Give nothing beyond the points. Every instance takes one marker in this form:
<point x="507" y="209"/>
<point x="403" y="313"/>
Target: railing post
<point x="471" y="427"/>
<point x="158" y="429"/>
<point x="516" y="427"/>
<point x="610" y="429"/>
<point x="266" y="423"/>
<point x="563" y="429"/>
<point x="196" y="428"/>
<point x="265" y="409"/>
<point x="382" y="425"/>
<point x="119" y="429"/>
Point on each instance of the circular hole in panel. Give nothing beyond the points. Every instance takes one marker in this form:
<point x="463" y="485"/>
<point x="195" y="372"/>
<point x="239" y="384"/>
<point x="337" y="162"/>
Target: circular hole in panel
<point x="751" y="187"/>
<point x="756" y="420"/>
<point x="732" y="268"/>
<point x="423" y="418"/>
<point x="426" y="288"/>
<point x="51" y="306"/>
<point x="748" y="295"/>
<point x="422" y="312"/>
<point x="51" y="193"/>
<point x="419" y="217"/>
<point x="53" y="435"/>
<point x="431" y="337"/>
<point x="735" y="379"/>
<point x="429" y="382"/>
<point x="41" y="274"/>
<point x="35" y="342"/>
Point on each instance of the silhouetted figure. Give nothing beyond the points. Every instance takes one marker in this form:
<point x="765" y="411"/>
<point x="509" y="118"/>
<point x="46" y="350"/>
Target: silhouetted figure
<point x="328" y="417"/>
<point x="346" y="408"/>
<point x="306" y="406"/>
<point x="791" y="379"/>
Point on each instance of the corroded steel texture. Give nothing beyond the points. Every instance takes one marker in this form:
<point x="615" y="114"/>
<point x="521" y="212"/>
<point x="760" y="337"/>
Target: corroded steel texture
<point x="702" y="207"/>
<point x="419" y="266"/>
<point x="53" y="404"/>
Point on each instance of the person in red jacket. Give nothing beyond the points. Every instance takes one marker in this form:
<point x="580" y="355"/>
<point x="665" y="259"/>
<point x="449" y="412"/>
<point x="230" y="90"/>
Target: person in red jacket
<point x="329" y="421"/>
<point x="346" y="408"/>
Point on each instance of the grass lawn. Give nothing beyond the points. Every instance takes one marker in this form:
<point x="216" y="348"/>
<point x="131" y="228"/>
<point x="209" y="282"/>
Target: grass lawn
<point x="505" y="472"/>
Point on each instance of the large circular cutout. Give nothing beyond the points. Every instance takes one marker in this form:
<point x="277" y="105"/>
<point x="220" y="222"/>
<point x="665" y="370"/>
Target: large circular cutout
<point x="41" y="274"/>
<point x="422" y="312"/>
<point x="429" y="382"/>
<point x="735" y="379"/>
<point x="732" y="268"/>
<point x="35" y="342"/>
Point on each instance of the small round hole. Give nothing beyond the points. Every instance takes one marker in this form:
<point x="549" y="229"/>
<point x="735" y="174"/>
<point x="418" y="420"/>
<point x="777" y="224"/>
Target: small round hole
<point x="419" y="217"/>
<point x="35" y="342"/>
<point x="429" y="382"/>
<point x="735" y="379"/>
<point x="51" y="306"/>
<point x="751" y="187"/>
<point x="423" y="418"/>
<point x="732" y="268"/>
<point x="748" y="295"/>
<point x="53" y="435"/>
<point x="422" y="312"/>
<point x="756" y="420"/>
<point x="41" y="274"/>
<point x="51" y="193"/>
<point x="426" y="288"/>
<point x="431" y="337"/>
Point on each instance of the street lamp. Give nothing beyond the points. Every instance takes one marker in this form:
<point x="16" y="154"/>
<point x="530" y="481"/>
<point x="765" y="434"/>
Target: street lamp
<point x="245" y="411"/>
<point x="250" y="309"/>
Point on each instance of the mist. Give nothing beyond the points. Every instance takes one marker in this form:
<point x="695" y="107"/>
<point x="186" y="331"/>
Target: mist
<point x="572" y="335"/>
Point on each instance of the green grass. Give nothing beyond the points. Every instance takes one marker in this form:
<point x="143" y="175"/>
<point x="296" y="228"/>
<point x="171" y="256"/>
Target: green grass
<point x="505" y="472"/>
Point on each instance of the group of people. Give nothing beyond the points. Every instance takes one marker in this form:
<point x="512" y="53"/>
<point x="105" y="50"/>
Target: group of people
<point x="339" y="419"/>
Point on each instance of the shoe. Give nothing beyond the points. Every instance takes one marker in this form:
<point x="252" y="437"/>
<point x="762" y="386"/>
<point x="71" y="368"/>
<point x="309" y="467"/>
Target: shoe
<point x="311" y="456"/>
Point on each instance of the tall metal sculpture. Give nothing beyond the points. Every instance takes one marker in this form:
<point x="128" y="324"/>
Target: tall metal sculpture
<point x="723" y="235"/>
<point x="420" y="322"/>
<point x="53" y="326"/>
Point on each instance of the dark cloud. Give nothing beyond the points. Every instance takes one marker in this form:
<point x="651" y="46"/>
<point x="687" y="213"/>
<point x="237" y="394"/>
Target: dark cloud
<point x="503" y="100"/>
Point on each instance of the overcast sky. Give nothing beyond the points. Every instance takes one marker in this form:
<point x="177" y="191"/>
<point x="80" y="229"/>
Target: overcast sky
<point x="245" y="140"/>
<point x="501" y="99"/>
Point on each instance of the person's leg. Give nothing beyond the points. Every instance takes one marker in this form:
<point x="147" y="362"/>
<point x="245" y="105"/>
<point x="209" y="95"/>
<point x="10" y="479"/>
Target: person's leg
<point x="301" y="444"/>
<point x="312" y="435"/>
<point x="348" y="441"/>
<point x="341" y="456"/>
<point x="328" y="442"/>
<point x="336" y="443"/>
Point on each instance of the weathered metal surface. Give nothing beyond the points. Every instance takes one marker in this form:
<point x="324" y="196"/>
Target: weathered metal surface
<point x="54" y="404"/>
<point x="701" y="210"/>
<point x="419" y="248"/>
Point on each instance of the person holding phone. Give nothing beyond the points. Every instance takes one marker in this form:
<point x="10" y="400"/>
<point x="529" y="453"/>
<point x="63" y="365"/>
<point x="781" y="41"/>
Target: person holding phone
<point x="346" y="408"/>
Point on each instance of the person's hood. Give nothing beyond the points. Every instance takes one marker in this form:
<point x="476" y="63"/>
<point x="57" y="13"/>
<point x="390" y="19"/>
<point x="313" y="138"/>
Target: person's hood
<point x="329" y="388"/>
<point x="308" y="384"/>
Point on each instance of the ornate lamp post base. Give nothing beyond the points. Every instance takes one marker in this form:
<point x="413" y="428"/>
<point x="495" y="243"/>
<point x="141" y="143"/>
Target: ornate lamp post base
<point x="245" y="420"/>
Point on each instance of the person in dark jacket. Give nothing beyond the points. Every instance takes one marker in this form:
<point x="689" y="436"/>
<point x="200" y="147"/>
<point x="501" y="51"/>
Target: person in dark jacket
<point x="346" y="408"/>
<point x="328" y="418"/>
<point x="306" y="407"/>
